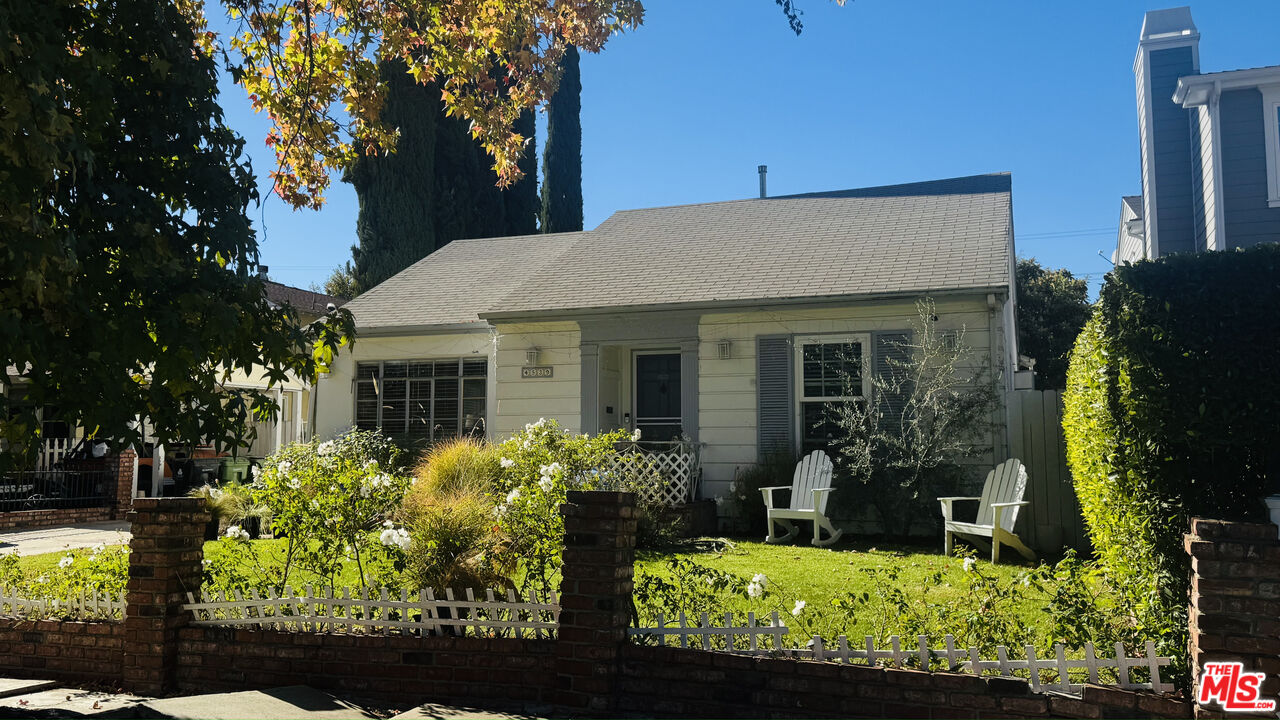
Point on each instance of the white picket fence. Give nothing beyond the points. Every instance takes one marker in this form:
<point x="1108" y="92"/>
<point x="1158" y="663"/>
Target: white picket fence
<point x="678" y="467"/>
<point x="87" y="605"/>
<point x="1057" y="673"/>
<point x="386" y="612"/>
<point x="52" y="452"/>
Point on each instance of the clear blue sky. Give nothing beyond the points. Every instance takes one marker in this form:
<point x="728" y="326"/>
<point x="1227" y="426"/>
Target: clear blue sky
<point x="876" y="92"/>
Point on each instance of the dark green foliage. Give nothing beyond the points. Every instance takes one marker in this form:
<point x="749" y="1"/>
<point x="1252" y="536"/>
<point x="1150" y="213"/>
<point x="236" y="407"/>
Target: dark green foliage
<point x="746" y="504"/>
<point x="128" y="260"/>
<point x="520" y="201"/>
<point x="562" y="156"/>
<point x="1171" y="411"/>
<point x="1052" y="307"/>
<point x="395" y="226"/>
<point x="467" y="202"/>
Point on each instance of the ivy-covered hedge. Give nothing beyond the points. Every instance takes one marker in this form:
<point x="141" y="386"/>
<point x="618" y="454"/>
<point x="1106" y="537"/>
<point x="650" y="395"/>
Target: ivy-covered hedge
<point x="1173" y="411"/>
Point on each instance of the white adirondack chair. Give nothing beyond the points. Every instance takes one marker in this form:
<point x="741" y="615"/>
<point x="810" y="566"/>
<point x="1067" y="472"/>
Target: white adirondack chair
<point x="997" y="511"/>
<point x="809" y="490"/>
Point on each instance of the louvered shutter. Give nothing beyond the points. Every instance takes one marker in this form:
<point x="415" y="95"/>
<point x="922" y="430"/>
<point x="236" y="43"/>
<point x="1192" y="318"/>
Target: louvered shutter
<point x="888" y="347"/>
<point x="776" y="406"/>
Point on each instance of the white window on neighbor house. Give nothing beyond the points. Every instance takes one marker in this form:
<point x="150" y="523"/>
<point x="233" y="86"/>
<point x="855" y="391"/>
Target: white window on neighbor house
<point x="1271" y="115"/>
<point x="422" y="400"/>
<point x="830" y="369"/>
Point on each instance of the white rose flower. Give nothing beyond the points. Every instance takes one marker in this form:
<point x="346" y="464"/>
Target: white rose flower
<point x="66" y="561"/>
<point x="402" y="539"/>
<point x="799" y="608"/>
<point x="388" y="524"/>
<point x="235" y="532"/>
<point x="719" y="500"/>
<point x="507" y="463"/>
<point x="760" y="579"/>
<point x="969" y="563"/>
<point x="545" y="483"/>
<point x="754" y="590"/>
<point x="635" y="435"/>
<point x="284" y="467"/>
<point x="513" y="496"/>
<point x="325" y="448"/>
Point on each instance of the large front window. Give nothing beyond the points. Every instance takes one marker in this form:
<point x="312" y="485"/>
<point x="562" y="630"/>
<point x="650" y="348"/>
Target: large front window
<point x="1271" y="118"/>
<point x="422" y="399"/>
<point x="830" y="369"/>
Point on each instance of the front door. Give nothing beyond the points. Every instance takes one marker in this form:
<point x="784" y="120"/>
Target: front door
<point x="657" y="386"/>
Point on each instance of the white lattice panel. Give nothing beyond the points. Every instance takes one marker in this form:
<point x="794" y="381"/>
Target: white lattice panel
<point x="677" y="469"/>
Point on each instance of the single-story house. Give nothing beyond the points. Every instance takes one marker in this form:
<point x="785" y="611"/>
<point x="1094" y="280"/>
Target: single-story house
<point x="717" y="321"/>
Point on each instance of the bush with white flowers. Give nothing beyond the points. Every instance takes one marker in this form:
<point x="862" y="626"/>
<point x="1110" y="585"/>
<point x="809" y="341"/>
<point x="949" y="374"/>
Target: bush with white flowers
<point x="101" y="568"/>
<point x="330" y="497"/>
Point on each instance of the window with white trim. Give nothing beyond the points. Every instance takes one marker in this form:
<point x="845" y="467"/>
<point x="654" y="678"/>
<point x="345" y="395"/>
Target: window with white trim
<point x="423" y="400"/>
<point x="830" y="369"/>
<point x="1271" y="116"/>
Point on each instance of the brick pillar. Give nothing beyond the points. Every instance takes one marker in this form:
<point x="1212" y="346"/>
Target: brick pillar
<point x="1235" y="599"/>
<point x="595" y="597"/>
<point x="165" y="557"/>
<point x="124" y="469"/>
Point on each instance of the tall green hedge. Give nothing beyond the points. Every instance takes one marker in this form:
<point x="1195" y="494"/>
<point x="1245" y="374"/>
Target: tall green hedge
<point x="1173" y="411"/>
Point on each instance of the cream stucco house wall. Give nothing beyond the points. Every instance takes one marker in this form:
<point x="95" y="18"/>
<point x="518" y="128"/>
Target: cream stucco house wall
<point x="722" y="322"/>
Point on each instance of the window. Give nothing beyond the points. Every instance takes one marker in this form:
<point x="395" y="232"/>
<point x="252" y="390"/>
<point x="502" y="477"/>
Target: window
<point x="425" y="400"/>
<point x="1271" y="116"/>
<point x="830" y="369"/>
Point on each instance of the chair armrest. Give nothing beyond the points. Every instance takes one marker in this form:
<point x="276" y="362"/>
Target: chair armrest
<point x="1014" y="504"/>
<point x="951" y="499"/>
<point x="767" y="493"/>
<point x="946" y="505"/>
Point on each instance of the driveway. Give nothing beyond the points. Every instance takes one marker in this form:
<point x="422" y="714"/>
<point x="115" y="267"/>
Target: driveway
<point x="38" y="541"/>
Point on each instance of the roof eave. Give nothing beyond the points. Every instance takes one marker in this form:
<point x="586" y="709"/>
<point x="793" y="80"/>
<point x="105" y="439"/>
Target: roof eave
<point x="712" y="305"/>
<point x="478" y="326"/>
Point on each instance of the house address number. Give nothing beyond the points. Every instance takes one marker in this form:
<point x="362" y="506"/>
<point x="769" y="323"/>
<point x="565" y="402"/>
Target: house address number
<point x="540" y="371"/>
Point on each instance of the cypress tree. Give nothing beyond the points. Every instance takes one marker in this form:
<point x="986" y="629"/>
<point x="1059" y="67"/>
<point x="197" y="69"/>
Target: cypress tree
<point x="395" y="227"/>
<point x="521" y="199"/>
<point x="562" y="157"/>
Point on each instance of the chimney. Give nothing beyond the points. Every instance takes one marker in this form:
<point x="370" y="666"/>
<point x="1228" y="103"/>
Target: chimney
<point x="262" y="271"/>
<point x="763" y="170"/>
<point x="1168" y="48"/>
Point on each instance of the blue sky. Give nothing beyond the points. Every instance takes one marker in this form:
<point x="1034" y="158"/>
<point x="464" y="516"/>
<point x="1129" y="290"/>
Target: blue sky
<point x="874" y="93"/>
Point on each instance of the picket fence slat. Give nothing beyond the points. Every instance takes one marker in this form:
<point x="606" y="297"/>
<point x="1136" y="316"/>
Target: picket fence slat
<point x="1056" y="673"/>
<point x="383" y="611"/>
<point x="91" y="604"/>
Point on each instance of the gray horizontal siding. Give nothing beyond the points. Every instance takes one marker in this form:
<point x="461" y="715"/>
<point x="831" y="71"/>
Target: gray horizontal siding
<point x="1248" y="219"/>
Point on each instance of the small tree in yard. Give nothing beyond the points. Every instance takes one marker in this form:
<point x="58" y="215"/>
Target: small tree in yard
<point x="900" y="447"/>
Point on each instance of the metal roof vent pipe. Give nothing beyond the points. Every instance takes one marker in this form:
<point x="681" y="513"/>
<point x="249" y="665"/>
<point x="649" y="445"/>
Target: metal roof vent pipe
<point x="763" y="170"/>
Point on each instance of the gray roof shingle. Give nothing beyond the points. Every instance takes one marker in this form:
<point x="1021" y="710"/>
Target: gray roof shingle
<point x="931" y="236"/>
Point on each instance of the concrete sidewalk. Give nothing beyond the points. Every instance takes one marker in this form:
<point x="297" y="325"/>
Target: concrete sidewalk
<point x="38" y="541"/>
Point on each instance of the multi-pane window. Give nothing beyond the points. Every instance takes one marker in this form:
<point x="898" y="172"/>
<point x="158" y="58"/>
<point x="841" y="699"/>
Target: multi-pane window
<point x="829" y="370"/>
<point x="422" y="399"/>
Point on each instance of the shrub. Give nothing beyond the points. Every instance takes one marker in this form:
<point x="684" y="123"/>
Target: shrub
<point x="1171" y="410"/>
<point x="328" y="497"/>
<point x="746" y="504"/>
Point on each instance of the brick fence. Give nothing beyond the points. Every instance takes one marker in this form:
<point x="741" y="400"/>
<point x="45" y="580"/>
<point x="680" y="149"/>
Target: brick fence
<point x="589" y="668"/>
<point x="1235" y="599"/>
<point x="121" y="497"/>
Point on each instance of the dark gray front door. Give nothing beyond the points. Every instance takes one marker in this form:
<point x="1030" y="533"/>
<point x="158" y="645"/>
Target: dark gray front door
<point x="658" y="395"/>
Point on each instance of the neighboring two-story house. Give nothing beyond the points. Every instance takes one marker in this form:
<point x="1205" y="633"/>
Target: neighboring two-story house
<point x="1210" y="149"/>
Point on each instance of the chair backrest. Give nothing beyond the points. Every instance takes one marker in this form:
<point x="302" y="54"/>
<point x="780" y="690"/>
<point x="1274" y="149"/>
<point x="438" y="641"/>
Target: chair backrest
<point x="1005" y="484"/>
<point x="813" y="471"/>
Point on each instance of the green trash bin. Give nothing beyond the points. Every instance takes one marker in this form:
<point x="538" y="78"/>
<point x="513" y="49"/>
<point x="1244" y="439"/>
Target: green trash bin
<point x="233" y="470"/>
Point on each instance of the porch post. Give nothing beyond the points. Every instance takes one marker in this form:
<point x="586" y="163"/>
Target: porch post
<point x="279" y="429"/>
<point x="590" y="391"/>
<point x="689" y="387"/>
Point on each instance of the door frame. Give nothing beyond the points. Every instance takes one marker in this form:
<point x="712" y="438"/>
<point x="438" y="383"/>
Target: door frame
<point x="635" y="386"/>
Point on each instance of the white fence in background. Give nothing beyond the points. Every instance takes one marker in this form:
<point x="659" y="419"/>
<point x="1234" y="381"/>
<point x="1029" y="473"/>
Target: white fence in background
<point x="384" y="612"/>
<point x="52" y="452"/>
<point x="679" y="468"/>
<point x="88" y="605"/>
<point x="1057" y="673"/>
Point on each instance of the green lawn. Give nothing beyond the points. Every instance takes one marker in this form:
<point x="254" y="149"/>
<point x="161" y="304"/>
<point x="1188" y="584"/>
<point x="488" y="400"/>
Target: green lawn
<point x="854" y="588"/>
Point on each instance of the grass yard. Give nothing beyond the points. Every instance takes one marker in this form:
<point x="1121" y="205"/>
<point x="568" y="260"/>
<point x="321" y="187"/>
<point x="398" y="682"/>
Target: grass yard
<point x="905" y="585"/>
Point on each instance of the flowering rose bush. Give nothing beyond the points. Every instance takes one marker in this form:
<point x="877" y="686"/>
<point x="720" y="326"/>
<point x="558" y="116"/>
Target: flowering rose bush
<point x="101" y="568"/>
<point x="537" y="467"/>
<point x="329" y="497"/>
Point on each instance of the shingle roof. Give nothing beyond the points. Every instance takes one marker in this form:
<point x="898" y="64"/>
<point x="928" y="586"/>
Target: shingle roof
<point x="453" y="284"/>
<point x="307" y="301"/>
<point x="931" y="236"/>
